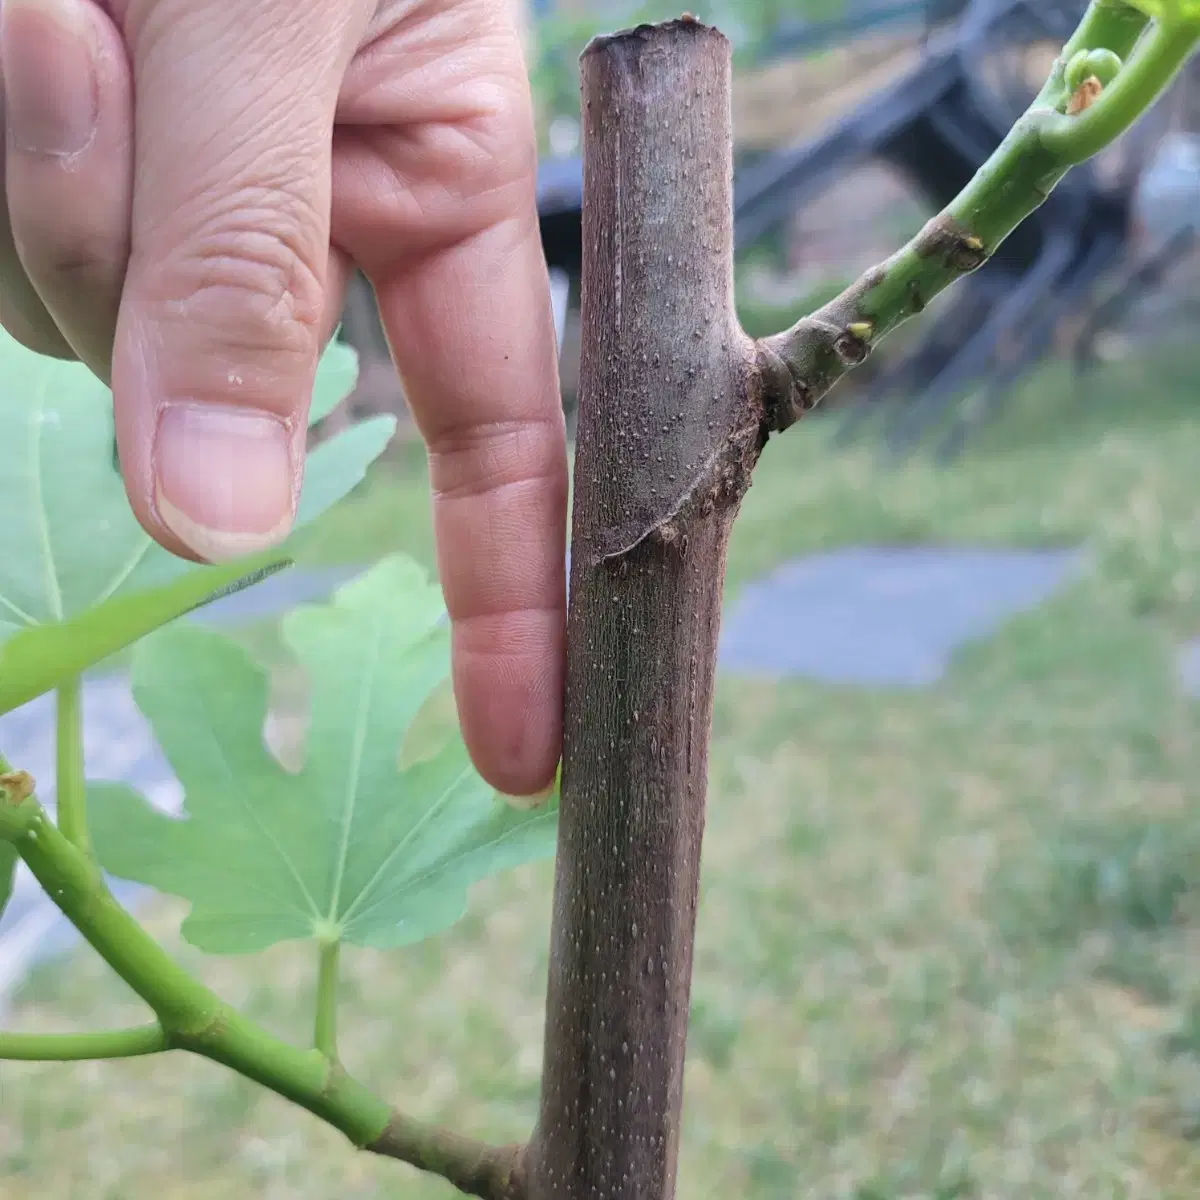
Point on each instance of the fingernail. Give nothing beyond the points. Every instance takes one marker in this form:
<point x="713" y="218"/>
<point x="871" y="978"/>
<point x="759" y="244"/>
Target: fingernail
<point x="537" y="799"/>
<point x="224" y="478"/>
<point x="534" y="800"/>
<point x="50" y="94"/>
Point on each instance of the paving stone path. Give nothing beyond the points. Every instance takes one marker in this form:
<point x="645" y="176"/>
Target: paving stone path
<point x="884" y="616"/>
<point x="888" y="617"/>
<point x="1188" y="667"/>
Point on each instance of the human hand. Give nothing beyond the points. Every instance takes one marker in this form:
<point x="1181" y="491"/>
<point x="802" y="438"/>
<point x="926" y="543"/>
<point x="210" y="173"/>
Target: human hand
<point x="190" y="184"/>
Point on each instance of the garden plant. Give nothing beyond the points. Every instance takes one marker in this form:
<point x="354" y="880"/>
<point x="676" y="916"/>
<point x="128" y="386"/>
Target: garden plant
<point x="362" y="845"/>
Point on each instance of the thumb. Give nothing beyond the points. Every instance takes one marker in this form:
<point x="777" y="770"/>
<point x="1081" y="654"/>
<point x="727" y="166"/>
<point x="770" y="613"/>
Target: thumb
<point x="226" y="297"/>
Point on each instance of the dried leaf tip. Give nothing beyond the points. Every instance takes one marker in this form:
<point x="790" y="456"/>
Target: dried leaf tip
<point x="1084" y="96"/>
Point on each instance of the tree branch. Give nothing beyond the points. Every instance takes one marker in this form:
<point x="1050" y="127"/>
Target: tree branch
<point x="195" y="1019"/>
<point x="804" y="362"/>
<point x="494" y="1173"/>
<point x="675" y="404"/>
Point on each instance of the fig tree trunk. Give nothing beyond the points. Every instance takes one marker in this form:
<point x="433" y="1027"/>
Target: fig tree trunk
<point x="670" y="425"/>
<point x="675" y="405"/>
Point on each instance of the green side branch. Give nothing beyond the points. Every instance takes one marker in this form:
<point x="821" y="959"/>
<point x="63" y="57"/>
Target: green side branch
<point x="192" y="1018"/>
<point x="84" y="1047"/>
<point x="800" y="365"/>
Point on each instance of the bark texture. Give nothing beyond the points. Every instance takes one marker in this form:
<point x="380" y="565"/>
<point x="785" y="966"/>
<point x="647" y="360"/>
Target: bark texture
<point x="670" y="425"/>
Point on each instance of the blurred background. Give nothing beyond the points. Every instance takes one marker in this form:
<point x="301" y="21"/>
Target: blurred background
<point x="949" y="938"/>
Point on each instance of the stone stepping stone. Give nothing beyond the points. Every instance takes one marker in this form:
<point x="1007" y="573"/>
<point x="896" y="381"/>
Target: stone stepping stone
<point x="1187" y="665"/>
<point x="883" y="617"/>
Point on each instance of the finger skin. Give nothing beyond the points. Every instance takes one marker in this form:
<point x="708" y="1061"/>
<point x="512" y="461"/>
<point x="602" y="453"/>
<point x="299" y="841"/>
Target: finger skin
<point x="238" y="227"/>
<point x="69" y="214"/>
<point x="22" y="313"/>
<point x="225" y="307"/>
<point x="21" y="310"/>
<point x="480" y="374"/>
<point x="444" y="223"/>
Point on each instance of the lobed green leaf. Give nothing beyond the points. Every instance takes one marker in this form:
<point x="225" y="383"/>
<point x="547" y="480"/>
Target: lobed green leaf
<point x="353" y="845"/>
<point x="337" y="373"/>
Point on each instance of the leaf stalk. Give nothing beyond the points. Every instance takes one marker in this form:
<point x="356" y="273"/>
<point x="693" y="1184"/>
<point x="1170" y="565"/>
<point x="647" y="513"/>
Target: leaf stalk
<point x="70" y="782"/>
<point x="325" y="1034"/>
<point x="84" y="1047"/>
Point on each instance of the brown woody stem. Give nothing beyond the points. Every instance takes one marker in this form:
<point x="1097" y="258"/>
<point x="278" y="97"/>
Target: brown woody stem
<point x="670" y="427"/>
<point x="476" y="1169"/>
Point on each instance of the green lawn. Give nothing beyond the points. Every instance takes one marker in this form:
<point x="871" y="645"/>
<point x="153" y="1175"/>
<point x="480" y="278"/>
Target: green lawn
<point x="949" y="943"/>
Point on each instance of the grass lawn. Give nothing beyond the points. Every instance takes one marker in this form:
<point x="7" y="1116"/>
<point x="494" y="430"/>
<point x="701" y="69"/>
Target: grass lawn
<point x="949" y="942"/>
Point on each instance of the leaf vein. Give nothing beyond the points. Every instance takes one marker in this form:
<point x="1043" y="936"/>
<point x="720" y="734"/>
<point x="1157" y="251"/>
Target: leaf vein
<point x="354" y="768"/>
<point x="400" y="846"/>
<point x="415" y="882"/>
<point x="123" y="574"/>
<point x="234" y="786"/>
<point x="37" y="423"/>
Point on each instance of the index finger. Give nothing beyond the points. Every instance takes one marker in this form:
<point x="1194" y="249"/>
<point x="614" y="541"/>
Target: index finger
<point x="474" y="336"/>
<point x="464" y="296"/>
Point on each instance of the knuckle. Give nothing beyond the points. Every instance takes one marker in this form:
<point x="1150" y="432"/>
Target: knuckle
<point x="250" y="276"/>
<point x="70" y="226"/>
<point x="78" y="257"/>
<point x="498" y="144"/>
<point x="490" y="458"/>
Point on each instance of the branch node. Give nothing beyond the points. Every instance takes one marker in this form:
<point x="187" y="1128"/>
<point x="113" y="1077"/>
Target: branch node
<point x="944" y="238"/>
<point x="16" y="786"/>
<point x="851" y="345"/>
<point x="198" y="1036"/>
<point x="785" y="396"/>
<point x="668" y="534"/>
<point x="20" y="813"/>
